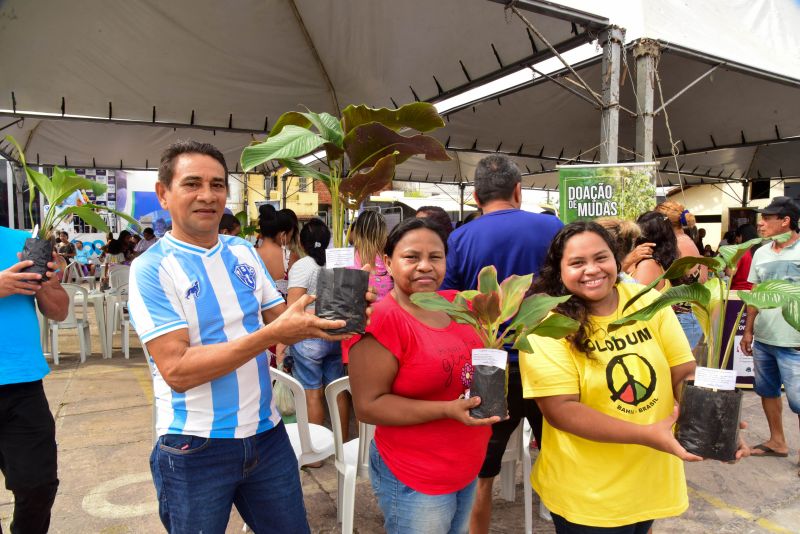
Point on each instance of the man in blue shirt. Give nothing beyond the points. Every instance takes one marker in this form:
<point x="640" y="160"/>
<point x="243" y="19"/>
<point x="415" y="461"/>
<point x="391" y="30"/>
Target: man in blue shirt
<point x="206" y="309"/>
<point x="515" y="242"/>
<point x="27" y="430"/>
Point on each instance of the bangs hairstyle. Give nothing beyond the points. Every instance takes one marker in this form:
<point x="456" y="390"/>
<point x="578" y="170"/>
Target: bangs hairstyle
<point x="369" y="236"/>
<point x="549" y="280"/>
<point x="409" y="225"/>
<point x="166" y="169"/>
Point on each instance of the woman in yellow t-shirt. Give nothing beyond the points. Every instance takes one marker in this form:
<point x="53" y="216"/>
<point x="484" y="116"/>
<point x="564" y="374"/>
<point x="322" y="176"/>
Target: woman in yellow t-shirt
<point x="610" y="459"/>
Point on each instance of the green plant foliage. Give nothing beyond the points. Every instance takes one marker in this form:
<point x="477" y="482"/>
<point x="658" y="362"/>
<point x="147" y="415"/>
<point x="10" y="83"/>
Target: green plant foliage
<point x="495" y="304"/>
<point x="637" y="194"/>
<point x="362" y="148"/>
<point x="57" y="189"/>
<point x="709" y="300"/>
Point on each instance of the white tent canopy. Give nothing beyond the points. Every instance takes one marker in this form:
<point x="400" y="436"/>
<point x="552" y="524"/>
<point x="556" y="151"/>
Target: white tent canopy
<point x="151" y="71"/>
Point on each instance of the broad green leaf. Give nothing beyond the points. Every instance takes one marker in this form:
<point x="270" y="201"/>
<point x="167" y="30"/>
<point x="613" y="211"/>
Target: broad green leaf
<point x="780" y="238"/>
<point x="369" y="142"/>
<point x="419" y="116"/>
<point x="298" y="169"/>
<point x="328" y="127"/>
<point x="512" y="291"/>
<point x="705" y="314"/>
<point x="291" y="142"/>
<point x="40" y="182"/>
<point x="776" y="294"/>
<point x="487" y="280"/>
<point x="294" y="118"/>
<point x="674" y="295"/>
<point x="555" y="326"/>
<point x="66" y="182"/>
<point x="435" y="302"/>
<point x="487" y="307"/>
<point x="679" y="268"/>
<point x="522" y="343"/>
<point x="243" y="219"/>
<point x="535" y="308"/>
<point x="88" y="216"/>
<point x="358" y="186"/>
<point x="469" y="294"/>
<point x="120" y="214"/>
<point x="731" y="254"/>
<point x="791" y="313"/>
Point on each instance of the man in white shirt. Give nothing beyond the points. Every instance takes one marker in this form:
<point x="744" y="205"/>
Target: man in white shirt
<point x="207" y="309"/>
<point x="148" y="240"/>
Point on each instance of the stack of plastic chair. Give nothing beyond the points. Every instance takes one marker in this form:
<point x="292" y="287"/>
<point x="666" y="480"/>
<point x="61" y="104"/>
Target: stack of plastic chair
<point x="518" y="450"/>
<point x="73" y="274"/>
<point x="117" y="310"/>
<point x="351" y="457"/>
<point x="78" y="298"/>
<point x="118" y="275"/>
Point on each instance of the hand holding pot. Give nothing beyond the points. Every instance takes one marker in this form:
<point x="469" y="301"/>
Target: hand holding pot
<point x="459" y="410"/>
<point x="15" y="282"/>
<point x="660" y="437"/>
<point x="295" y="324"/>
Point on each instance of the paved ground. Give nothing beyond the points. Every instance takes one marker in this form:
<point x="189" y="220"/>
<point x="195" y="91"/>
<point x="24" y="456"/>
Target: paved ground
<point x="103" y="418"/>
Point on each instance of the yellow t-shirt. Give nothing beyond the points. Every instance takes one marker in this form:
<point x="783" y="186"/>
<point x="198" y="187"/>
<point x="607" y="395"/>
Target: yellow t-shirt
<point x="627" y="376"/>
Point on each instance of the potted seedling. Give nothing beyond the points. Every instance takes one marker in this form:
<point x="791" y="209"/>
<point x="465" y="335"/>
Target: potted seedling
<point x="501" y="316"/>
<point x="56" y="189"/>
<point x="710" y="405"/>
<point x="362" y="149"/>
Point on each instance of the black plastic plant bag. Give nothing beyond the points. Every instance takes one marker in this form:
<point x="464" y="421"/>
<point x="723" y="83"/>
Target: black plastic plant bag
<point x="40" y="251"/>
<point x="490" y="383"/>
<point x="341" y="295"/>
<point x="708" y="424"/>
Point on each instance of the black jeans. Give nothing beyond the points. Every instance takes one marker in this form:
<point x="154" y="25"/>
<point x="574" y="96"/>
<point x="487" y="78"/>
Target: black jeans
<point x="28" y="455"/>
<point x="518" y="408"/>
<point x="565" y="527"/>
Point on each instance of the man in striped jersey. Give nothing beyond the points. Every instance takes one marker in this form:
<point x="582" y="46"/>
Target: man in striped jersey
<point x="207" y="309"/>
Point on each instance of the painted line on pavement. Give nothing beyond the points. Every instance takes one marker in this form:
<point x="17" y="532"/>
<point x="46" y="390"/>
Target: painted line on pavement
<point x="96" y="502"/>
<point x="766" y="524"/>
<point x="142" y="375"/>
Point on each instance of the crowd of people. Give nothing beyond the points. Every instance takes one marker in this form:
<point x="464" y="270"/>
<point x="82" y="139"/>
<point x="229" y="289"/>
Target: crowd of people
<point x="215" y="312"/>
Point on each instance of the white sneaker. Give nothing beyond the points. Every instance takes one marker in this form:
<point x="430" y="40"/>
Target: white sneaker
<point x="544" y="513"/>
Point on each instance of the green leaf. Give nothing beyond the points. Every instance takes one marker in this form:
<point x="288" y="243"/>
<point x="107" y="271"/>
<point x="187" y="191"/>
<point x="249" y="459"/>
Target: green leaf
<point x="291" y="142"/>
<point x="86" y="214"/>
<point x="791" y="313"/>
<point x="328" y="127"/>
<point x="419" y="116"/>
<point x="535" y="308"/>
<point x="689" y="293"/>
<point x="555" y="326"/>
<point x="512" y="291"/>
<point x="66" y="182"/>
<point x="731" y="254"/>
<point x="679" y="268"/>
<point x="487" y="280"/>
<point x="776" y="294"/>
<point x="435" y="302"/>
<point x="357" y="187"/>
<point x="469" y="294"/>
<point x="370" y="142"/>
<point x="294" y="118"/>
<point x="299" y="169"/>
<point x="522" y="344"/>
<point x="781" y="238"/>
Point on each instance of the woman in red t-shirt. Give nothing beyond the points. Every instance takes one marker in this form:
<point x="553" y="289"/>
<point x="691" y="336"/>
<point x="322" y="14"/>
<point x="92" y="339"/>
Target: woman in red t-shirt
<point x="408" y="374"/>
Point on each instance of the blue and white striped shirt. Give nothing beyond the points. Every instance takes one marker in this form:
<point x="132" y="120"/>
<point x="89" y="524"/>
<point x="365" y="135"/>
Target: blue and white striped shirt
<point x="218" y="295"/>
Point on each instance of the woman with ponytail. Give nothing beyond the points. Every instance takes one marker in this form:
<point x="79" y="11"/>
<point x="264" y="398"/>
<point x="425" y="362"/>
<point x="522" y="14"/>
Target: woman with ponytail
<point x="317" y="362"/>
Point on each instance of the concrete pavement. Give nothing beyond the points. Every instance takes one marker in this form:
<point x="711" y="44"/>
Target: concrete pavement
<point x="103" y="416"/>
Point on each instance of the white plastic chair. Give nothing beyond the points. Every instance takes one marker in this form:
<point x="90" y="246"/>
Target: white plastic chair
<point x="118" y="275"/>
<point x="116" y="308"/>
<point x="311" y="443"/>
<point x="518" y="450"/>
<point x="351" y="458"/>
<point x="73" y="274"/>
<point x="78" y="297"/>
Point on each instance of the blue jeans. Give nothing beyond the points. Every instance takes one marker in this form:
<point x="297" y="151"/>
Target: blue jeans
<point x="775" y="366"/>
<point x="198" y="479"/>
<point x="316" y="362"/>
<point x="406" y="511"/>
<point x="691" y="327"/>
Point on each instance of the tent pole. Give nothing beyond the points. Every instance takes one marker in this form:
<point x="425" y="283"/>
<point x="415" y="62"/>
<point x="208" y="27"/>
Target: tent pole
<point x="609" y="119"/>
<point x="646" y="52"/>
<point x="283" y="190"/>
<point x="461" y="187"/>
<point x="745" y="193"/>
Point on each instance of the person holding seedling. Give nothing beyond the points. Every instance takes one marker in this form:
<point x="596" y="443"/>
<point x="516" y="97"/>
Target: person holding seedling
<point x="768" y="337"/>
<point x="608" y="399"/>
<point x="408" y="376"/>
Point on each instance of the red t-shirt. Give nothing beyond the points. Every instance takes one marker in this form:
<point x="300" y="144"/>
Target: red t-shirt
<point x="739" y="280"/>
<point x="440" y="456"/>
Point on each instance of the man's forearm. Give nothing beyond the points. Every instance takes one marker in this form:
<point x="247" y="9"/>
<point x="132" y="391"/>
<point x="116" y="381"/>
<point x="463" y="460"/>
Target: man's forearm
<point x="53" y="301"/>
<point x="750" y="319"/>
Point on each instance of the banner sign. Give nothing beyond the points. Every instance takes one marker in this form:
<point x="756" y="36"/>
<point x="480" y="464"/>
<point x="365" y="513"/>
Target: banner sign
<point x="739" y="361"/>
<point x="623" y="191"/>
